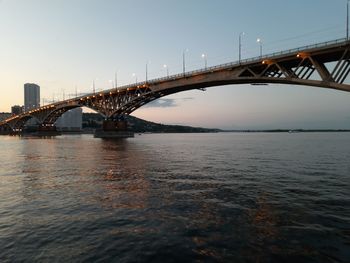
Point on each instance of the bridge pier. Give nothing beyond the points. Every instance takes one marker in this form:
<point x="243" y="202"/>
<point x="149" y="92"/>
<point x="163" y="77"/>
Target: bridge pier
<point x="47" y="130"/>
<point x="114" y="129"/>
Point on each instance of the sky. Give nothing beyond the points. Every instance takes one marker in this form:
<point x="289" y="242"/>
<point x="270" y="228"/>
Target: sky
<point x="66" y="45"/>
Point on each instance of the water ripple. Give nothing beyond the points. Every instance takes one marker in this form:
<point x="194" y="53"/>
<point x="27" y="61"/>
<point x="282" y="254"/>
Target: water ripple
<point x="176" y="198"/>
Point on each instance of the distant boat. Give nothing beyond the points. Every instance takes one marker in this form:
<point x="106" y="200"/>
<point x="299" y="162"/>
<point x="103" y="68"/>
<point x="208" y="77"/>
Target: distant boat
<point x="293" y="131"/>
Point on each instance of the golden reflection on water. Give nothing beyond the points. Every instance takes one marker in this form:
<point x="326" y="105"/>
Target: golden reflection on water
<point x="121" y="177"/>
<point x="264" y="229"/>
<point x="264" y="220"/>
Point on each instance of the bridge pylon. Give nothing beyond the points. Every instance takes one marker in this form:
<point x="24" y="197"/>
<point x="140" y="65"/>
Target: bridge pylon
<point x="47" y="130"/>
<point x="116" y="127"/>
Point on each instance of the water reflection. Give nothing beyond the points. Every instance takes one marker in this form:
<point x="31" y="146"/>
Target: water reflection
<point x="161" y="198"/>
<point x="263" y="232"/>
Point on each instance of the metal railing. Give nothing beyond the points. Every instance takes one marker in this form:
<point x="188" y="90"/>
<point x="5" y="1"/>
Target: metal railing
<point x="233" y="64"/>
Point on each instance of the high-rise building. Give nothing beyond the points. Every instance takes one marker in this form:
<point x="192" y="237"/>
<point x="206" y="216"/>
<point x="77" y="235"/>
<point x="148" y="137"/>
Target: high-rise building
<point x="16" y="109"/>
<point x="71" y="120"/>
<point x="31" y="96"/>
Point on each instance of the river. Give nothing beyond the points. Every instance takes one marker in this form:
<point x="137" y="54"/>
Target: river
<point x="223" y="197"/>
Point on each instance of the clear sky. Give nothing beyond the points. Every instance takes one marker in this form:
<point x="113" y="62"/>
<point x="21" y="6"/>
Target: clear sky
<point x="64" y="45"/>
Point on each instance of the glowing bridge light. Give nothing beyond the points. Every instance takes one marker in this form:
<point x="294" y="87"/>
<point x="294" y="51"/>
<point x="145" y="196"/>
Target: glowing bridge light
<point x="303" y="55"/>
<point x="268" y="62"/>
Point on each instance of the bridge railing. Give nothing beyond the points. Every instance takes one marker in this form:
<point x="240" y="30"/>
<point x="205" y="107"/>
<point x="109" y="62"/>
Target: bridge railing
<point x="234" y="63"/>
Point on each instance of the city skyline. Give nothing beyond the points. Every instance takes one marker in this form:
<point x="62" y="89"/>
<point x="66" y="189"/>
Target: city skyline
<point x="84" y="42"/>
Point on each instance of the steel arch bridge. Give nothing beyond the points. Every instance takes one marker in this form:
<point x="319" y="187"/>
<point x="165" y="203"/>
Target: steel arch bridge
<point x="325" y="65"/>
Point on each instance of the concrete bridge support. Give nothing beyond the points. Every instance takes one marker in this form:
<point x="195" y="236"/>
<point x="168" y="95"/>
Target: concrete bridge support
<point x="47" y="130"/>
<point x="114" y="129"/>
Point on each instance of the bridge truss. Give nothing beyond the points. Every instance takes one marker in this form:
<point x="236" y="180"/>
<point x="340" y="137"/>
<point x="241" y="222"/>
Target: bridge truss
<point x="325" y="65"/>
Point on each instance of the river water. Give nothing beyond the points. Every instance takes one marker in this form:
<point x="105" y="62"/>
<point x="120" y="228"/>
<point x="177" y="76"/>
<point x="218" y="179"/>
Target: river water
<point x="224" y="197"/>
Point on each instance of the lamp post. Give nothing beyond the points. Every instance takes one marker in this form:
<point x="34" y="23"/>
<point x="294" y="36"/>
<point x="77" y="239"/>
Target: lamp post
<point x="167" y="69"/>
<point x="135" y="76"/>
<point x="259" y="41"/>
<point x="116" y="79"/>
<point x="93" y="86"/>
<point x="240" y="46"/>
<point x="347" y="19"/>
<point x="204" y="56"/>
<point x="111" y="83"/>
<point x="184" y="60"/>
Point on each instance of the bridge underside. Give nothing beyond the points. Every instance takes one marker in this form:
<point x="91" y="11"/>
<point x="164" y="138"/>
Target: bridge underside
<point x="327" y="67"/>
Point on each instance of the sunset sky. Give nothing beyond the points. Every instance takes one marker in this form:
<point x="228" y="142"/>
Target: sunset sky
<point x="65" y="45"/>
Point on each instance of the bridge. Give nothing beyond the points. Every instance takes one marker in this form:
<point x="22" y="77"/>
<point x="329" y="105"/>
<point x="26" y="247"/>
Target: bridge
<point x="324" y="65"/>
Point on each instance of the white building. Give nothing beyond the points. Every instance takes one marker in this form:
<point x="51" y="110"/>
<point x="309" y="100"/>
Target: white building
<point x="71" y="120"/>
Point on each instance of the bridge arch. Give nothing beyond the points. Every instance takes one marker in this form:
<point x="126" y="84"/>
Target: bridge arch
<point x="19" y="124"/>
<point x="139" y="101"/>
<point x="52" y="116"/>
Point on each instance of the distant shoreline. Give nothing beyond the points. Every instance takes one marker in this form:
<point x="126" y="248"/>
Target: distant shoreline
<point x="228" y="131"/>
<point x="287" y="131"/>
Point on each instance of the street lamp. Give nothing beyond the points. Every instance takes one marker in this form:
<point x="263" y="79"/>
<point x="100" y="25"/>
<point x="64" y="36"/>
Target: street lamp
<point x="347" y="19"/>
<point x="240" y="45"/>
<point x="116" y="79"/>
<point x="111" y="83"/>
<point x="259" y="41"/>
<point x="93" y="86"/>
<point x="167" y="69"/>
<point x="204" y="56"/>
<point x="183" y="60"/>
<point x="135" y="76"/>
<point x="63" y="94"/>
